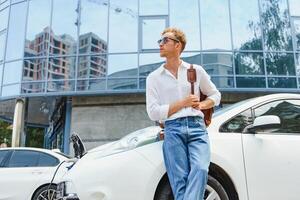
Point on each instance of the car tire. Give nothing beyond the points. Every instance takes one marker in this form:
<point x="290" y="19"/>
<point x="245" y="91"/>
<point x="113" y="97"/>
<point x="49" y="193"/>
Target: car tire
<point x="45" y="192"/>
<point x="214" y="190"/>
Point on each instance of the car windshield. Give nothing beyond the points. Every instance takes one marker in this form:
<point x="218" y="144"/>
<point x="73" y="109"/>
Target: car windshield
<point x="229" y="107"/>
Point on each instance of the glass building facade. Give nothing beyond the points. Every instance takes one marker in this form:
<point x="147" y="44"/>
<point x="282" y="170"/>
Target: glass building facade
<point x="67" y="47"/>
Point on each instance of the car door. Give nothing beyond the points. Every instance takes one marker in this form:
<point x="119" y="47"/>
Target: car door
<point x="22" y="175"/>
<point x="272" y="160"/>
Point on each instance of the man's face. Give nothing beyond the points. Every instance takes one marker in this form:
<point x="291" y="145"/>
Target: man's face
<point x="169" y="45"/>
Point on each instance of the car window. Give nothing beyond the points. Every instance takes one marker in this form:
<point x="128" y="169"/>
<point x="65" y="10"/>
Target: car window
<point x="2" y="157"/>
<point x="287" y="110"/>
<point x="237" y="123"/>
<point x="24" y="158"/>
<point x="46" y="160"/>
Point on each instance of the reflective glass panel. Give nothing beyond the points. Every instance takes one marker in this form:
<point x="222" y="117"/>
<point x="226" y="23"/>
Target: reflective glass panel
<point x="63" y="36"/>
<point x="185" y="15"/>
<point x="61" y="68"/>
<point x="1" y="71"/>
<point x="223" y="82"/>
<point x="16" y="31"/>
<point x="280" y="64"/>
<point x="294" y="7"/>
<point x="33" y="87"/>
<point x="192" y="58"/>
<point x="2" y="46"/>
<point x="16" y="1"/>
<point x="91" y="84"/>
<point x="11" y="90"/>
<point x="37" y="34"/>
<point x="92" y="66"/>
<point x="61" y="85"/>
<point x="215" y="25"/>
<point x="12" y="72"/>
<point x="142" y="83"/>
<point x="276" y="25"/>
<point x="153" y="7"/>
<point x="246" y="29"/>
<point x="122" y="65"/>
<point x="122" y="84"/>
<point x="123" y="26"/>
<point x="4" y="4"/>
<point x="250" y="82"/>
<point x="218" y="63"/>
<point x="298" y="64"/>
<point x="151" y="32"/>
<point x="3" y="19"/>
<point x="149" y="62"/>
<point x="24" y="159"/>
<point x="249" y="63"/>
<point x="34" y="69"/>
<point x="296" y="32"/>
<point x="93" y="29"/>
<point x="282" y="82"/>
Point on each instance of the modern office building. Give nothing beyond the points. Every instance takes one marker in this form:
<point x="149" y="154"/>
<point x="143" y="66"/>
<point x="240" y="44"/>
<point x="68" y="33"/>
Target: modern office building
<point x="81" y="65"/>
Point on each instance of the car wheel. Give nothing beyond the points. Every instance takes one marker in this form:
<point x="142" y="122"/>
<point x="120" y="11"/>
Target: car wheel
<point x="214" y="191"/>
<point x="45" y="193"/>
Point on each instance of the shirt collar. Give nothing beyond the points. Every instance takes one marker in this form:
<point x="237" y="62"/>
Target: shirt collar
<point x="183" y="64"/>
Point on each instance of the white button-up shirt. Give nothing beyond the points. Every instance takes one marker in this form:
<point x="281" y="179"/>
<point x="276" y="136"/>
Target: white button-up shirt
<point x="163" y="89"/>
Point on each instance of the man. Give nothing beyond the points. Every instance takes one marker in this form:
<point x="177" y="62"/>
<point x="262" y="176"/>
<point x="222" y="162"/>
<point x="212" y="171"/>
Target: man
<point x="186" y="146"/>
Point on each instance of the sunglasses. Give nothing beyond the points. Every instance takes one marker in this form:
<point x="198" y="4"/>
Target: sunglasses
<point x="164" y="40"/>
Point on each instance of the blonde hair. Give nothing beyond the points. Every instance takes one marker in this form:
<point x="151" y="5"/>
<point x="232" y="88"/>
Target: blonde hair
<point x="179" y="35"/>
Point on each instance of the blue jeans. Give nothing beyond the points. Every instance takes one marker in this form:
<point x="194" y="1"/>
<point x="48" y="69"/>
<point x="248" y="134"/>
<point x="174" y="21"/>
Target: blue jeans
<point x="187" y="156"/>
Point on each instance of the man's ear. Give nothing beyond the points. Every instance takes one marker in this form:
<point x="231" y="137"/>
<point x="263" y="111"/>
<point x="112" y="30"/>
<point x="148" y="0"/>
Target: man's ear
<point x="178" y="46"/>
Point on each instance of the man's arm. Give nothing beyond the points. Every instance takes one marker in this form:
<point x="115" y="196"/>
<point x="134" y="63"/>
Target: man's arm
<point x="189" y="101"/>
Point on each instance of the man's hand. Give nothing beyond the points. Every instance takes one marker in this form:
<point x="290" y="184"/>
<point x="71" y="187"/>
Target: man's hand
<point x="189" y="101"/>
<point x="203" y="105"/>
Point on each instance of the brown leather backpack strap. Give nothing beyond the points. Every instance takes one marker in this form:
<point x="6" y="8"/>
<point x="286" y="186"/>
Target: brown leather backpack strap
<point x="192" y="77"/>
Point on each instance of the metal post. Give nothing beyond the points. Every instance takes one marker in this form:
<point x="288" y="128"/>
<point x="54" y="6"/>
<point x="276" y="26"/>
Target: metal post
<point x="18" y="123"/>
<point x="67" y="126"/>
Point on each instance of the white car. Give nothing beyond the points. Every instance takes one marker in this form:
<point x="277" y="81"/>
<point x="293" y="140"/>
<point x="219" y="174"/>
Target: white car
<point x="255" y="156"/>
<point x="26" y="173"/>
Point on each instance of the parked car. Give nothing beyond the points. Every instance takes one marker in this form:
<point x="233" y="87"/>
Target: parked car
<point x="26" y="173"/>
<point x="255" y="156"/>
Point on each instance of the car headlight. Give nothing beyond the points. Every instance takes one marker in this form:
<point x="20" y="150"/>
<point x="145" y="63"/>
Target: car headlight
<point x="66" y="191"/>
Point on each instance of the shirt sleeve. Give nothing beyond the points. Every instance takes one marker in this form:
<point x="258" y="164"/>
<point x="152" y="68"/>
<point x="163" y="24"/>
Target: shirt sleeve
<point x="208" y="88"/>
<point x="156" y="112"/>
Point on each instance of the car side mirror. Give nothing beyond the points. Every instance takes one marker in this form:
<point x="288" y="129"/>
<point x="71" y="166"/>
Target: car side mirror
<point x="266" y="123"/>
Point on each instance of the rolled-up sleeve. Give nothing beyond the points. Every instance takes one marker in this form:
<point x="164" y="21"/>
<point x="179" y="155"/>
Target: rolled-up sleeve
<point x="156" y="112"/>
<point x="208" y="88"/>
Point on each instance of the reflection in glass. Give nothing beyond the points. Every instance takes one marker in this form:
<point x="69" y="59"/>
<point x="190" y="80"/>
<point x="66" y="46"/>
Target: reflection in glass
<point x="246" y="29"/>
<point x="91" y="84"/>
<point x="34" y="69"/>
<point x="122" y="65"/>
<point x="16" y="31"/>
<point x="250" y="82"/>
<point x="33" y="87"/>
<point x="123" y="26"/>
<point x="238" y="123"/>
<point x="249" y="63"/>
<point x="61" y="68"/>
<point x="151" y="32"/>
<point x="280" y="64"/>
<point x="149" y="62"/>
<point x="294" y="7"/>
<point x="1" y="71"/>
<point x="122" y="84"/>
<point x="11" y="90"/>
<point x="218" y="63"/>
<point x="3" y="19"/>
<point x="215" y="25"/>
<point x="63" y="35"/>
<point x="223" y="82"/>
<point x="2" y="46"/>
<point x="61" y="85"/>
<point x="276" y="25"/>
<point x="37" y="34"/>
<point x="142" y="83"/>
<point x="153" y="7"/>
<point x="296" y="32"/>
<point x="298" y="64"/>
<point x="189" y="23"/>
<point x="92" y="66"/>
<point x="93" y="29"/>
<point x="192" y="58"/>
<point x="282" y="82"/>
<point x="12" y="72"/>
<point x="4" y="4"/>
